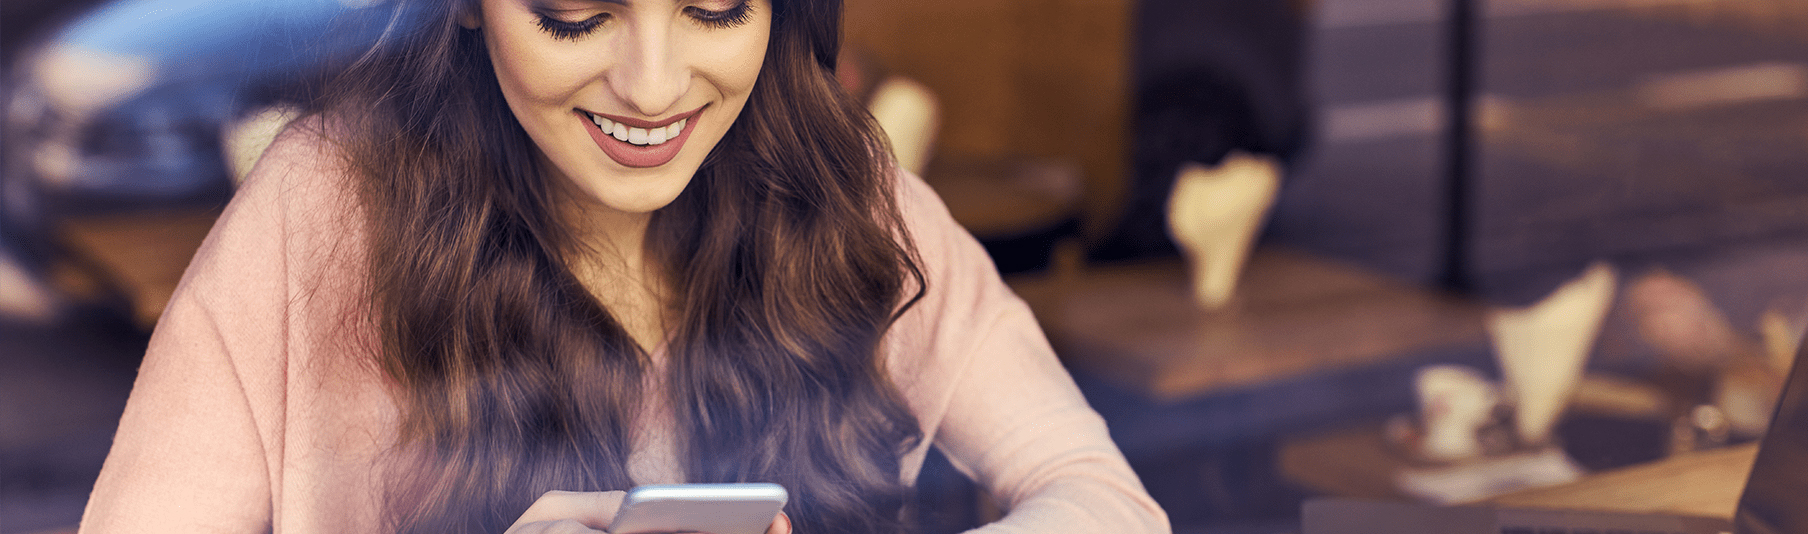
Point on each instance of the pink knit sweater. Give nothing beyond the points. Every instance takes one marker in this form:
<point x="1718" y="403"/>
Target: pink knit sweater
<point x="258" y="408"/>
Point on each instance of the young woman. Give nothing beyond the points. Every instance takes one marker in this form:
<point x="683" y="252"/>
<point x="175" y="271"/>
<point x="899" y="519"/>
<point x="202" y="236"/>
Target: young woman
<point x="529" y="253"/>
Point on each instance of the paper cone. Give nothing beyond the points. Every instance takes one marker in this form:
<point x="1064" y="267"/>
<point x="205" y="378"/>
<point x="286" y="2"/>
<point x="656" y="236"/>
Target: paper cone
<point x="1541" y="348"/>
<point x="1214" y="213"/>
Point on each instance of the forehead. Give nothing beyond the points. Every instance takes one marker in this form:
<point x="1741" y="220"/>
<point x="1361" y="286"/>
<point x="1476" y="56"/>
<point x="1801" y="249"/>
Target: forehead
<point x="774" y="3"/>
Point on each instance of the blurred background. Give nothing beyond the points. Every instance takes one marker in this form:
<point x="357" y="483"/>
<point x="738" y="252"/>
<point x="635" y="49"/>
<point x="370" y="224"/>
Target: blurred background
<point x="1247" y="225"/>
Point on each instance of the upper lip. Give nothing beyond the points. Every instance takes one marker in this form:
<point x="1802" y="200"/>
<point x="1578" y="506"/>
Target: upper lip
<point x="642" y="123"/>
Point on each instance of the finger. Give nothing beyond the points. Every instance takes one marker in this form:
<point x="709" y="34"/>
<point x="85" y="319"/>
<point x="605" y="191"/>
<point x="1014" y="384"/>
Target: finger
<point x="594" y="509"/>
<point x="780" y="524"/>
<point x="562" y="526"/>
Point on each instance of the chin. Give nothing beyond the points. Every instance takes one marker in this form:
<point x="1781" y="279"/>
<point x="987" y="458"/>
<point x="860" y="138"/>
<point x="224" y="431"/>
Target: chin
<point x="636" y="199"/>
<point x="602" y="184"/>
<point x="643" y="205"/>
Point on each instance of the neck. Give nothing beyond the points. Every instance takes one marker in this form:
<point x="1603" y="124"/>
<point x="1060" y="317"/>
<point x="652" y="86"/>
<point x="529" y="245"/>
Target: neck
<point x="601" y="235"/>
<point x="608" y="256"/>
<point x="611" y="239"/>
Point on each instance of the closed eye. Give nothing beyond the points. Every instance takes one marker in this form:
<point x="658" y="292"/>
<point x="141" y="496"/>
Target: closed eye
<point x="567" y="30"/>
<point x="727" y="18"/>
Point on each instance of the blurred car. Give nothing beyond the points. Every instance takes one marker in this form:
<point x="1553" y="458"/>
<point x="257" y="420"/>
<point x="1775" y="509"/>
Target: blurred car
<point x="125" y="107"/>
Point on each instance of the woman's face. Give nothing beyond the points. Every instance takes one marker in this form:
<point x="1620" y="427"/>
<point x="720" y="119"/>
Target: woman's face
<point x="624" y="98"/>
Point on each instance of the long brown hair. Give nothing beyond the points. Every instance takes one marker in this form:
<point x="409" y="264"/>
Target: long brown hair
<point x="787" y="256"/>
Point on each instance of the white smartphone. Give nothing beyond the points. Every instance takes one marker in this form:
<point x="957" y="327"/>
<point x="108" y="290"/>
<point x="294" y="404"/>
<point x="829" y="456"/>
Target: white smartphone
<point x="711" y="508"/>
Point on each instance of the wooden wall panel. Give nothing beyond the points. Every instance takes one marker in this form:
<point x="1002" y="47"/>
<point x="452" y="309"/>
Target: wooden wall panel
<point x="1043" y="78"/>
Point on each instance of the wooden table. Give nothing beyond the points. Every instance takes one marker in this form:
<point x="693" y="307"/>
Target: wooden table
<point x="1701" y="483"/>
<point x="1137" y="325"/>
<point x="1704" y="483"/>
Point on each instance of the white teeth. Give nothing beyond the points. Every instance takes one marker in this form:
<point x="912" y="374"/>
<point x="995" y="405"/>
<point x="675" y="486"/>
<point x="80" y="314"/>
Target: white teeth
<point x="639" y="136"/>
<point x="606" y="125"/>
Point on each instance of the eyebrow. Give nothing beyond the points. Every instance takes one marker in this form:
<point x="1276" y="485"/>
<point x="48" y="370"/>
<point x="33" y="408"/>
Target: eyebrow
<point x="543" y="3"/>
<point x="546" y="5"/>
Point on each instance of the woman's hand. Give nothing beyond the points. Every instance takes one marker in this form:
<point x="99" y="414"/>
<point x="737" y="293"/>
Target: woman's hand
<point x="780" y="524"/>
<point x="569" y="512"/>
<point x="572" y="512"/>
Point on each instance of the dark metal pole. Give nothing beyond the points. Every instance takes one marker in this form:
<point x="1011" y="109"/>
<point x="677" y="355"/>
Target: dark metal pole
<point x="1459" y="186"/>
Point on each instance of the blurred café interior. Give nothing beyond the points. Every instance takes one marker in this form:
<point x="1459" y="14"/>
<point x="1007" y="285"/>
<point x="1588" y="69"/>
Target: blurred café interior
<point x="1421" y="250"/>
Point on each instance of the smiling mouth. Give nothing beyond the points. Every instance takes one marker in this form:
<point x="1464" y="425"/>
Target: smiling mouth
<point x="637" y="143"/>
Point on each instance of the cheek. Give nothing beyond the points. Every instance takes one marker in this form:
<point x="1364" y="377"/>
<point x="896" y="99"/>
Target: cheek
<point x="734" y="64"/>
<point x="752" y="59"/>
<point x="528" y="74"/>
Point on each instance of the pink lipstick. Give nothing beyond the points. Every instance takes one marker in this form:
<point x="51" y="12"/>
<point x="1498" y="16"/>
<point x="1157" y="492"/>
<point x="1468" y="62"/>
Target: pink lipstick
<point x="637" y="143"/>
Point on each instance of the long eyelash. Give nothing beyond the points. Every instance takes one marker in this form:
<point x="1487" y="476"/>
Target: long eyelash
<point x="729" y="18"/>
<point x="569" y="31"/>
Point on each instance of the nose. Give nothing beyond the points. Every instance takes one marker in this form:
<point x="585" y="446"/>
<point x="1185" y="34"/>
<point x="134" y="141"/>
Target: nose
<point x="651" y="79"/>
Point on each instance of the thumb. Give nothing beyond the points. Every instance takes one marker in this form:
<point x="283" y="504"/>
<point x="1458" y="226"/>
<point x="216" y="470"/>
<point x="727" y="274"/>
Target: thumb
<point x="595" y="509"/>
<point x="780" y="524"/>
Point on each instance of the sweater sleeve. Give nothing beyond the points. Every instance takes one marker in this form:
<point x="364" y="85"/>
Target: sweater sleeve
<point x="200" y="446"/>
<point x="998" y="402"/>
